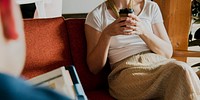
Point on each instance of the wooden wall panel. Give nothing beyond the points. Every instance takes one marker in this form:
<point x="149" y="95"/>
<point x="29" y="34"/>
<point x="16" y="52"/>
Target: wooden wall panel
<point x="177" y="20"/>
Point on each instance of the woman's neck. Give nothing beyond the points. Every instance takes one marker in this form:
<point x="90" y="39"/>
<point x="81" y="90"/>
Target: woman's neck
<point x="121" y="4"/>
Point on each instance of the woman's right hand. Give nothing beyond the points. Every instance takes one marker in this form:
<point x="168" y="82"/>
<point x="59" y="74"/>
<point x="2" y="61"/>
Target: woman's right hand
<point x="118" y="27"/>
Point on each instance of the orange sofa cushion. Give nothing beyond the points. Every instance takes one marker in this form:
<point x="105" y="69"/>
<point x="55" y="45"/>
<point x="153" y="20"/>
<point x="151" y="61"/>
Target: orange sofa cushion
<point x="47" y="46"/>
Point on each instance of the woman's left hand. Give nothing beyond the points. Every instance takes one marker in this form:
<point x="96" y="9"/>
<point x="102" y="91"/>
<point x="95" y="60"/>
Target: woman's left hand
<point x="135" y="24"/>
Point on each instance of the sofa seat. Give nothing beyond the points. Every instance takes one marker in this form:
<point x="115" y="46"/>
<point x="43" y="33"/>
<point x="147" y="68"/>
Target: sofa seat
<point x="55" y="42"/>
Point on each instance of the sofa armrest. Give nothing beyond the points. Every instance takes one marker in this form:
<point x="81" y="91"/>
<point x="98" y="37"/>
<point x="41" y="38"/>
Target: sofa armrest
<point x="186" y="53"/>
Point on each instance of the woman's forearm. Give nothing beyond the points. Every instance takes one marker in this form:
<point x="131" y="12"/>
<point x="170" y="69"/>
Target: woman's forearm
<point x="96" y="59"/>
<point x="158" y="45"/>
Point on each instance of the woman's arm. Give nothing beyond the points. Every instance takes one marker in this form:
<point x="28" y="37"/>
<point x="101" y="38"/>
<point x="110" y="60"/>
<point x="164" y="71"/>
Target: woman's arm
<point x="98" y="43"/>
<point x="159" y="41"/>
<point x="97" y="48"/>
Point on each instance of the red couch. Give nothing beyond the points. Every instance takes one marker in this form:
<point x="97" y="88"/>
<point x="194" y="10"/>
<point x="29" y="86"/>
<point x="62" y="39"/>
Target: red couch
<point x="55" y="42"/>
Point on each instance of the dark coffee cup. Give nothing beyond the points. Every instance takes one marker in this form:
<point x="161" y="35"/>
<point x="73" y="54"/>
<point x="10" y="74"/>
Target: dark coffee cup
<point x="125" y="12"/>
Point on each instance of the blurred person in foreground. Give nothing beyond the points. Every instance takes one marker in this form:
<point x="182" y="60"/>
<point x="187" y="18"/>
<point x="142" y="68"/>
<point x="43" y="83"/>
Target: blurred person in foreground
<point x="12" y="58"/>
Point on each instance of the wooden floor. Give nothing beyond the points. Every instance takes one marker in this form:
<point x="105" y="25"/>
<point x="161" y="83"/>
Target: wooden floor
<point x="194" y="60"/>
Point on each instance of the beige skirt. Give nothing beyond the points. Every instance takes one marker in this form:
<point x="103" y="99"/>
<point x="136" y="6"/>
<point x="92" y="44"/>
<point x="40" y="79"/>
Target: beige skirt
<point x="147" y="76"/>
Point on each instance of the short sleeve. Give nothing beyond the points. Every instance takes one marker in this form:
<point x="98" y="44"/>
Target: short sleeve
<point x="93" y="20"/>
<point x="156" y="14"/>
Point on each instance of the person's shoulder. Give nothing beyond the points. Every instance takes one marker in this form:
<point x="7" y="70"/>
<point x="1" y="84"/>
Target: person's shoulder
<point x="8" y="78"/>
<point x="151" y="4"/>
<point x="99" y="8"/>
<point x="96" y="12"/>
<point x="12" y="85"/>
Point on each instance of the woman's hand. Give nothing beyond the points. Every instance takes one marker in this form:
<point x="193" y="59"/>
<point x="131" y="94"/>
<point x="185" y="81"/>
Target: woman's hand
<point x="126" y="26"/>
<point x="156" y="40"/>
<point x="123" y="26"/>
<point x="135" y="24"/>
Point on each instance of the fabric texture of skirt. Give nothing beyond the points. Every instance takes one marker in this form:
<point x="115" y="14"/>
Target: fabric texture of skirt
<point x="147" y="76"/>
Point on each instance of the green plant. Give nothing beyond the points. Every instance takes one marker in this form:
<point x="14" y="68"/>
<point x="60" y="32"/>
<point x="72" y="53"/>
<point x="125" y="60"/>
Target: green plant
<point x="196" y="11"/>
<point x="195" y="20"/>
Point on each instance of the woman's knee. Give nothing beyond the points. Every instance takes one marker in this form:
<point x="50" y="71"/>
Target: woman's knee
<point x="182" y="65"/>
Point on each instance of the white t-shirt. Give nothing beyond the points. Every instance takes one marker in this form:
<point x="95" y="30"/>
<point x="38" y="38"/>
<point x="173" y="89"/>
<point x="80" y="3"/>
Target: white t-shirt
<point x="123" y="46"/>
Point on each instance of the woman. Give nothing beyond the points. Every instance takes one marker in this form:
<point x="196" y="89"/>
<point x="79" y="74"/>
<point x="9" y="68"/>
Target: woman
<point x="140" y="59"/>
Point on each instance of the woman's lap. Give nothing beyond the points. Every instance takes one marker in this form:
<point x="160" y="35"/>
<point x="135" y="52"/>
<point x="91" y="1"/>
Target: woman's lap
<point x="148" y="75"/>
